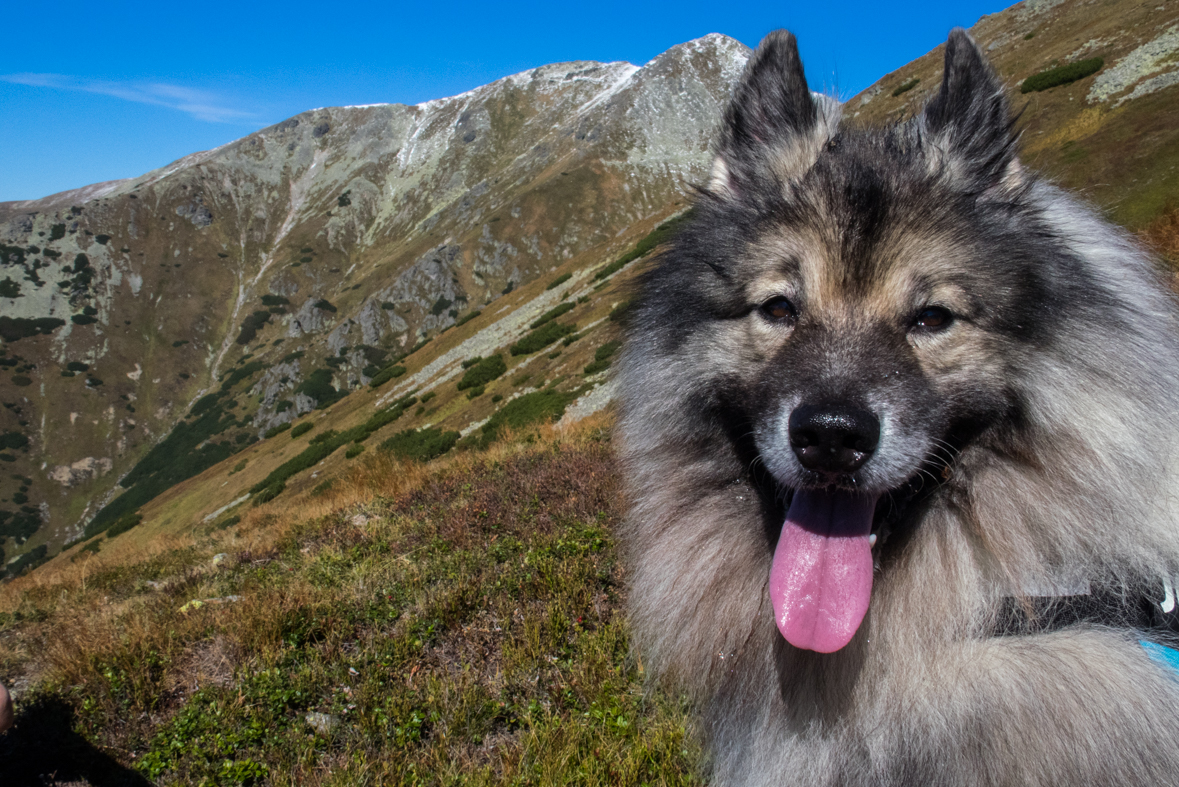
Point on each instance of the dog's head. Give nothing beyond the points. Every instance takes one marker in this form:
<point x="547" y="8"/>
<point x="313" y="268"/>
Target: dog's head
<point x="862" y="297"/>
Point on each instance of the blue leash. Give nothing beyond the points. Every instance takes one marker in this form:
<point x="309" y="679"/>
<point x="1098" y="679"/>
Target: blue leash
<point x="1168" y="657"/>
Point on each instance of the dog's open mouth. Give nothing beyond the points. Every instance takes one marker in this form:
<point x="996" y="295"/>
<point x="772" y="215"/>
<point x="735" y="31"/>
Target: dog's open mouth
<point x="821" y="578"/>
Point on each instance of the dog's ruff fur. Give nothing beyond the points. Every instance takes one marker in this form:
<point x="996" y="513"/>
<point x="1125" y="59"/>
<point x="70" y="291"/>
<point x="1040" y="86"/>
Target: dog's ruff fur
<point x="1029" y="445"/>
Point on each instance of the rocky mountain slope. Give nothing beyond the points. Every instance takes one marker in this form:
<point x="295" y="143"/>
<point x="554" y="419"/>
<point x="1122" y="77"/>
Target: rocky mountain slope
<point x="1111" y="135"/>
<point x="260" y="320"/>
<point x="286" y="269"/>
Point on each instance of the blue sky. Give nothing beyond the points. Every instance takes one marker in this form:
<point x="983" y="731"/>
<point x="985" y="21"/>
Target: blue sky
<point x="95" y="91"/>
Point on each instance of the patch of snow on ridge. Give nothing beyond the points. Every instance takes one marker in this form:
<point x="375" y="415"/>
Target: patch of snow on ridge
<point x="625" y="73"/>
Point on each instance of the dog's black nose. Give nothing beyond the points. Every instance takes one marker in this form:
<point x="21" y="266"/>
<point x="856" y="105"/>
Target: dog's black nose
<point x="833" y="438"/>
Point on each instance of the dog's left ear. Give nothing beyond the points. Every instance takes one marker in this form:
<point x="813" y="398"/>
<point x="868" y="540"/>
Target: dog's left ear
<point x="969" y="121"/>
<point x="770" y="124"/>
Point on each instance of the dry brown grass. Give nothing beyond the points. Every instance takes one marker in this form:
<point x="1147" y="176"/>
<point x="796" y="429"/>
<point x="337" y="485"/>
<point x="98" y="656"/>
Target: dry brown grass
<point x="461" y="621"/>
<point x="1162" y="235"/>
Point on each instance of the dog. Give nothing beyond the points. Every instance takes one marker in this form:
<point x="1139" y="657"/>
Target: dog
<point x="899" y="424"/>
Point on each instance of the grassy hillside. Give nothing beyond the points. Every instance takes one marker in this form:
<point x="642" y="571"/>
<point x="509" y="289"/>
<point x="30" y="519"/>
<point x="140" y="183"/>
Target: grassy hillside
<point x="460" y="624"/>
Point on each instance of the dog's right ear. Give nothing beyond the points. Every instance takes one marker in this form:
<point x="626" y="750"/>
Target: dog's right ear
<point x="770" y="122"/>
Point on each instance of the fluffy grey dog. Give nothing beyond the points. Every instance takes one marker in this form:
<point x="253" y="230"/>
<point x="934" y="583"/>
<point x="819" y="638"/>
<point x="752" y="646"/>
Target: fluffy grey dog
<point x="900" y="429"/>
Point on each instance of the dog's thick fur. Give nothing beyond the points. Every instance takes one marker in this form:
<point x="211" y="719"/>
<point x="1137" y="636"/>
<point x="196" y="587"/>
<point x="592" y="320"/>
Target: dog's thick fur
<point x="1026" y="450"/>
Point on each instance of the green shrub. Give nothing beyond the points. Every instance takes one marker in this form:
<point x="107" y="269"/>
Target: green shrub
<point x="536" y="407"/>
<point x="619" y="312"/>
<point x="277" y="430"/>
<point x="557" y="282"/>
<point x="482" y="372"/>
<point x="428" y="396"/>
<point x="289" y="357"/>
<point x="274" y="300"/>
<point x="661" y="234"/>
<point x="29" y="560"/>
<point x="386" y="375"/>
<point x="421" y="445"/>
<point x="82" y="319"/>
<point x="323" y="436"/>
<point x="354" y="450"/>
<point x="602" y="357"/>
<point x="440" y="305"/>
<point x="466" y="318"/>
<point x="302" y="429"/>
<point x="9" y="288"/>
<point x="344" y="200"/>
<point x="1061" y="75"/>
<point x="542" y="337"/>
<point x="553" y="314"/>
<point x="78" y="366"/>
<point x="283" y="406"/>
<point x="325" y="305"/>
<point x="56" y="232"/>
<point x="241" y="373"/>
<point x="476" y="392"/>
<point x="906" y="87"/>
<point x="124" y="524"/>
<point x="251" y="326"/>
<point x="318" y="386"/>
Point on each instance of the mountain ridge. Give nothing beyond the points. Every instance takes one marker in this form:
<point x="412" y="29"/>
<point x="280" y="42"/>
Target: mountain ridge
<point x="371" y="227"/>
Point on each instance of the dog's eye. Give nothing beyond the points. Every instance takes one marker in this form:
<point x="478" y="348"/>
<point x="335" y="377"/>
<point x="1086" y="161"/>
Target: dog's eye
<point x="779" y="309"/>
<point x="933" y="318"/>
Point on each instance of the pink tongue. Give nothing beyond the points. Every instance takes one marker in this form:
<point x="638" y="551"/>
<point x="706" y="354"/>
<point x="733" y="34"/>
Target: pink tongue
<point x="821" y="580"/>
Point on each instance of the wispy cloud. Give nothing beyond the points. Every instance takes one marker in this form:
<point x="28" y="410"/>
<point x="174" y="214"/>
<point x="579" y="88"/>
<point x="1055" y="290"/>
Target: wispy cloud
<point x="200" y="104"/>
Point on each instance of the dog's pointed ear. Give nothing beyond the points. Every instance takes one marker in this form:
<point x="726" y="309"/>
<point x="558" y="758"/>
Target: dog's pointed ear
<point x="969" y="120"/>
<point x="770" y="111"/>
